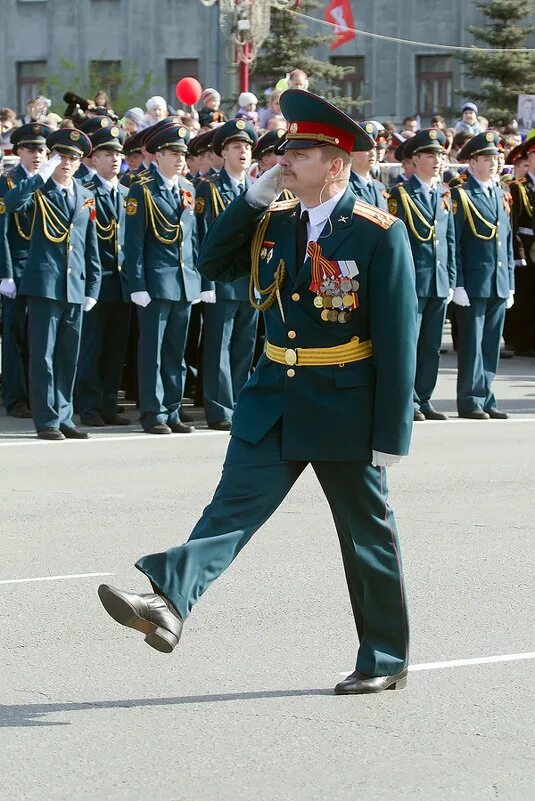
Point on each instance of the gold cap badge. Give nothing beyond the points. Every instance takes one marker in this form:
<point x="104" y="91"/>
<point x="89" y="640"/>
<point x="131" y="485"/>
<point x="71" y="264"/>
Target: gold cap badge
<point x="75" y="135"/>
<point x="104" y="122"/>
<point x="240" y="125"/>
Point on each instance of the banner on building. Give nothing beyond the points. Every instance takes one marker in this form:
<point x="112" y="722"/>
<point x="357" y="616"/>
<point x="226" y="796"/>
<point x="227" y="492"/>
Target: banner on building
<point x="340" y="14"/>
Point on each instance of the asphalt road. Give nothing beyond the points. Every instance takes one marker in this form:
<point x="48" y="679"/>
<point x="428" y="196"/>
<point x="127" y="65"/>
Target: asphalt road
<point x="244" y="708"/>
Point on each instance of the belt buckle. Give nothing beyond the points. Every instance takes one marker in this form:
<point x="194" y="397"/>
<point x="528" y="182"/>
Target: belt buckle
<point x="290" y="357"/>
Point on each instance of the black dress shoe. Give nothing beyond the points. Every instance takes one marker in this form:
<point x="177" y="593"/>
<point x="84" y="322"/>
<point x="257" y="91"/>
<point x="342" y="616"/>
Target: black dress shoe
<point x="181" y="428"/>
<point x="71" y="432"/>
<point x="359" y="684"/>
<point x="150" y="613"/>
<point x="158" y="428"/>
<point x="94" y="420"/>
<point x="475" y="414"/>
<point x="50" y="433"/>
<point x="121" y="409"/>
<point x="186" y="416"/>
<point x="419" y="417"/>
<point x="221" y="425"/>
<point x="495" y="414"/>
<point x="20" y="410"/>
<point x="507" y="353"/>
<point x="432" y="414"/>
<point x="116" y="419"/>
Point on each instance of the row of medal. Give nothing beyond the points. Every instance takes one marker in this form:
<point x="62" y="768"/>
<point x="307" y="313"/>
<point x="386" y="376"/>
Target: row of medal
<point x="337" y="298"/>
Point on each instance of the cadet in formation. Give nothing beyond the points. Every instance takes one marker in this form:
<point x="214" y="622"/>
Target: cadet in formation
<point x="485" y="276"/>
<point x="336" y="282"/>
<point x="425" y="208"/>
<point x="61" y="278"/>
<point x="29" y="144"/>
<point x="106" y="327"/>
<point x="160" y="258"/>
<point x="362" y="183"/>
<point x="230" y="322"/>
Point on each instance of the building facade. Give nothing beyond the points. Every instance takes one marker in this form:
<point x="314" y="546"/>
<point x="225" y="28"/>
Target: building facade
<point x="46" y="43"/>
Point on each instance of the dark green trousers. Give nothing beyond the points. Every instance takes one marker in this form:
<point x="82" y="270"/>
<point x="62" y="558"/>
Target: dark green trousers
<point x="431" y="316"/>
<point x="480" y="333"/>
<point x="14" y="351"/>
<point x="254" y="482"/>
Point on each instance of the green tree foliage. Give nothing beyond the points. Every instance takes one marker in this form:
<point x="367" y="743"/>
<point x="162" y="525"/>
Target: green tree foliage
<point x="290" y="45"/>
<point x="503" y="76"/>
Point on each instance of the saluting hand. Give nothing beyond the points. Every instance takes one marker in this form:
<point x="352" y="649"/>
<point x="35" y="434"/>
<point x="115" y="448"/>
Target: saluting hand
<point x="265" y="189"/>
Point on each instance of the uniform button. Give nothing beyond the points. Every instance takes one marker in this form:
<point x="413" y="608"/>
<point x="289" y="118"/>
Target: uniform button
<point x="69" y="269"/>
<point x="499" y="264"/>
<point x="118" y="247"/>
<point x="119" y="268"/>
<point x="499" y="244"/>
<point x="438" y="262"/>
<point x="290" y="373"/>
<point x="292" y="334"/>
<point x="437" y="242"/>
<point x="296" y="296"/>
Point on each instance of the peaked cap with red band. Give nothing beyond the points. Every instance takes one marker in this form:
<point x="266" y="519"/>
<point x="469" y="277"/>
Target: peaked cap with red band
<point x="314" y="122"/>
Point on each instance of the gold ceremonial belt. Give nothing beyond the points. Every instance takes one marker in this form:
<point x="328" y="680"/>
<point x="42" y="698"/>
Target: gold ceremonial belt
<point x="353" y="351"/>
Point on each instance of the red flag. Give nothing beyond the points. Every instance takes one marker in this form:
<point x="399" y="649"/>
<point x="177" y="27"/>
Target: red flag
<point x="340" y="13"/>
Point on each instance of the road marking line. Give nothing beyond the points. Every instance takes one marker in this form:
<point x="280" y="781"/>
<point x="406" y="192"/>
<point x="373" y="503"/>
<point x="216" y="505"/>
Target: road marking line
<point x="482" y="660"/>
<point x="54" y="578"/>
<point x="113" y="438"/>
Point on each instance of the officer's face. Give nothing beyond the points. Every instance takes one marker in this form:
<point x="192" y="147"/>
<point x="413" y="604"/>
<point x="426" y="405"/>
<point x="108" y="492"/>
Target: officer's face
<point x="428" y="165"/>
<point x="215" y="161"/>
<point x="268" y="161"/>
<point x="68" y="165"/>
<point x="133" y="160"/>
<point x="107" y="163"/>
<point x="237" y="156"/>
<point x="32" y="157"/>
<point x="305" y="172"/>
<point x="484" y="167"/>
<point x="364" y="160"/>
<point x="170" y="162"/>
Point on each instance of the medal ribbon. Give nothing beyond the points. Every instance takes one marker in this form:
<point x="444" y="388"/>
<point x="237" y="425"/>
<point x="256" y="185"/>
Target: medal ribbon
<point x="320" y="267"/>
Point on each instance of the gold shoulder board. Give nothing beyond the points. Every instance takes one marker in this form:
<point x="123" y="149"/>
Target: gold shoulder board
<point x="373" y="214"/>
<point x="283" y="205"/>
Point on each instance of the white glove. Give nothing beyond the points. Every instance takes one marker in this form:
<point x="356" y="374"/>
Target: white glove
<point x="47" y="168"/>
<point x="450" y="296"/>
<point x="140" y="298"/>
<point x="510" y="300"/>
<point x="8" y="288"/>
<point x="208" y="296"/>
<point x="266" y="189"/>
<point x="194" y="302"/>
<point x="380" y="459"/>
<point x="460" y="297"/>
<point x="520" y="263"/>
<point x="89" y="303"/>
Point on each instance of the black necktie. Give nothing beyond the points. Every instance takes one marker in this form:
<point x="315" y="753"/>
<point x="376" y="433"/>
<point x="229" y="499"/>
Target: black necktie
<point x="68" y="200"/>
<point x="301" y="239"/>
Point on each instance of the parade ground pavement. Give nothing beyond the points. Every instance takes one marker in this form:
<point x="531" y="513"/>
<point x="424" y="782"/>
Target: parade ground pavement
<point x="243" y="710"/>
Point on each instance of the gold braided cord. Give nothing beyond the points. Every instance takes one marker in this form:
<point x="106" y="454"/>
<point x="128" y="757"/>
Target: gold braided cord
<point x="254" y="282"/>
<point x="157" y="218"/>
<point x="525" y="199"/>
<point x="53" y="229"/>
<point x="218" y="204"/>
<point x="10" y="184"/>
<point x="107" y="231"/>
<point x="469" y="211"/>
<point x="409" y="206"/>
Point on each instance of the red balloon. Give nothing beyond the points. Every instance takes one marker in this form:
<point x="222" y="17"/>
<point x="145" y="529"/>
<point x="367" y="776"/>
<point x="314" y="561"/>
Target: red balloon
<point x="188" y="91"/>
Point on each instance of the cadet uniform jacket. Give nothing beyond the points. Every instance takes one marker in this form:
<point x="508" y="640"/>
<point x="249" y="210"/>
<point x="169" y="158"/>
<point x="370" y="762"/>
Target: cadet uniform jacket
<point x="110" y="222"/>
<point x="15" y="230"/>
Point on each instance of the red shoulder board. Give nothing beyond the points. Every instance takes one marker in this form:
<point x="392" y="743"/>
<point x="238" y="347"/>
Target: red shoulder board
<point x="374" y="215"/>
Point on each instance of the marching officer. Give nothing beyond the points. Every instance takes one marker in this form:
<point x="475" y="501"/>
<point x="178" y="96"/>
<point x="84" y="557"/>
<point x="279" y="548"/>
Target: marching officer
<point x="29" y="144"/>
<point x="336" y="283"/>
<point x="522" y="322"/>
<point x="160" y="257"/>
<point x="230" y="323"/>
<point x="89" y="126"/>
<point x="485" y="276"/>
<point x="424" y="205"/>
<point x="133" y="157"/>
<point x="105" y="329"/>
<point x="365" y="187"/>
<point x="61" y="278"/>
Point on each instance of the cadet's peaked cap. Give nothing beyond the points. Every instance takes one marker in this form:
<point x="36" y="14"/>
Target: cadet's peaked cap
<point x="132" y="144"/>
<point x="168" y="136"/>
<point x="31" y="135"/>
<point x="69" y="141"/>
<point x="201" y="143"/>
<point x="270" y="142"/>
<point x="483" y="144"/>
<point x="233" y="130"/>
<point x="111" y="138"/>
<point x="528" y="146"/>
<point x="372" y="129"/>
<point x="314" y="122"/>
<point x="516" y="153"/>
<point x="92" y="124"/>
<point x="428" y="140"/>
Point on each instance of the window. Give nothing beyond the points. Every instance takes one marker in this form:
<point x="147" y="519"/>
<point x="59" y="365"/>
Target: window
<point x="31" y="78"/>
<point x="178" y="68"/>
<point x="352" y="84"/>
<point x="434" y="79"/>
<point x="106" y="75"/>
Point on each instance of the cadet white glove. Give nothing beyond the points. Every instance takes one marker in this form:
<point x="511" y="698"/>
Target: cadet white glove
<point x="450" y="296"/>
<point x="46" y="169"/>
<point x="510" y="300"/>
<point x="460" y="297"/>
<point x="8" y="288"/>
<point x="265" y="189"/>
<point x="520" y="263"/>
<point x="208" y="296"/>
<point x="89" y="303"/>
<point x="140" y="298"/>
<point x="380" y="459"/>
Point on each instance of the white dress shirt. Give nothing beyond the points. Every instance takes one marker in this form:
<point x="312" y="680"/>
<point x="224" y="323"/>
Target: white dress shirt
<point x="169" y="183"/>
<point x="318" y="216"/>
<point x="109" y="185"/>
<point x="69" y="188"/>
